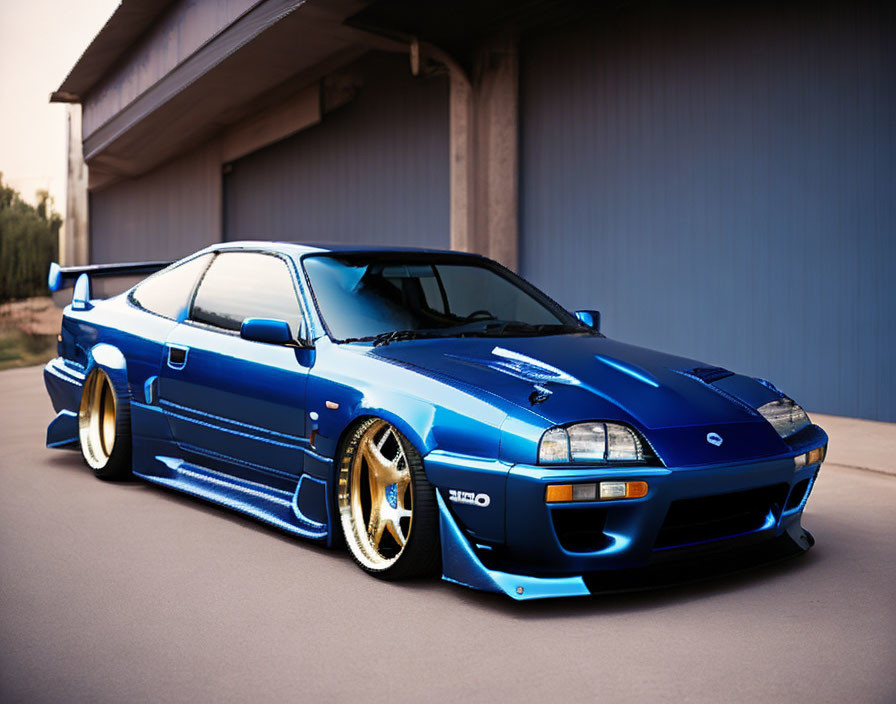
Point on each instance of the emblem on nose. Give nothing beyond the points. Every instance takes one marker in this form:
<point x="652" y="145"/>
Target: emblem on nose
<point x="714" y="439"/>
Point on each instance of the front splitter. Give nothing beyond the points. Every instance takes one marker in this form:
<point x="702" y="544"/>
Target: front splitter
<point x="461" y="565"/>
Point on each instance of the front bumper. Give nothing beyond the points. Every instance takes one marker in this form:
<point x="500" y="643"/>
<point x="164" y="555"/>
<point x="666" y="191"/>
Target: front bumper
<point x="627" y="533"/>
<point x="690" y="516"/>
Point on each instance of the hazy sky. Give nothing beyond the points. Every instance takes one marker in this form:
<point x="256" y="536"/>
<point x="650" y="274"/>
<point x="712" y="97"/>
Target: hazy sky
<point x="40" y="41"/>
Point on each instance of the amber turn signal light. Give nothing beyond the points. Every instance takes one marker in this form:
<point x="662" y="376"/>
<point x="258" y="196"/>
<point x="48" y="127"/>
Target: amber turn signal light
<point x="605" y="491"/>
<point x="815" y="456"/>
<point x="557" y="493"/>
<point x="635" y="490"/>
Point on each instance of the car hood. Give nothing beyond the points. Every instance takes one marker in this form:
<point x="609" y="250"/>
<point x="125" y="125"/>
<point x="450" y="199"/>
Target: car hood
<point x="674" y="401"/>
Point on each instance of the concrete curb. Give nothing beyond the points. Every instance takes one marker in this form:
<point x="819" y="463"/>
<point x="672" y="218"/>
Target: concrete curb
<point x="859" y="444"/>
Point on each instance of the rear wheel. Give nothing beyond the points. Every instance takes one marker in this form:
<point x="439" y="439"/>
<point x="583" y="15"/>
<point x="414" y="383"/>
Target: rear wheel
<point x="387" y="507"/>
<point x="104" y="428"/>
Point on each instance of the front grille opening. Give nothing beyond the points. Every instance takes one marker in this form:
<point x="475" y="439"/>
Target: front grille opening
<point x="712" y="517"/>
<point x="581" y="529"/>
<point x="797" y="494"/>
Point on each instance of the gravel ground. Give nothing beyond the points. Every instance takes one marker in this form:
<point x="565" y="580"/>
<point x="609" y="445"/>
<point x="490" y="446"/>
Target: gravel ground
<point x="28" y="330"/>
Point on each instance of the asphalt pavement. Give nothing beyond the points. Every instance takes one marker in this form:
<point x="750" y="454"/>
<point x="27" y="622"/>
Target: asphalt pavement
<point x="131" y="593"/>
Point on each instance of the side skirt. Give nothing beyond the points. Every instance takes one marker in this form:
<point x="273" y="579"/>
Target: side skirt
<point x="267" y="504"/>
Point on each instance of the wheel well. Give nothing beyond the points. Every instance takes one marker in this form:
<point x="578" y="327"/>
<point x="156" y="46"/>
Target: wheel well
<point x="112" y="363"/>
<point x="338" y="537"/>
<point x="398" y="423"/>
<point x="343" y="436"/>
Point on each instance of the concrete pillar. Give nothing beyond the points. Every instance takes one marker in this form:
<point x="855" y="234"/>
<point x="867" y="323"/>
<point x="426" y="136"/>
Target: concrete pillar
<point x="483" y="127"/>
<point x="74" y="247"/>
<point x="461" y="125"/>
<point x="496" y="168"/>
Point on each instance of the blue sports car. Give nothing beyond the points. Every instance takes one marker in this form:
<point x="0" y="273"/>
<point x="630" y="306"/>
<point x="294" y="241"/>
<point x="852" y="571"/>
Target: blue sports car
<point x="433" y="410"/>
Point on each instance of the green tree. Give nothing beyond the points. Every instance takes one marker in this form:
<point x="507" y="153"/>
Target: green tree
<point x="29" y="241"/>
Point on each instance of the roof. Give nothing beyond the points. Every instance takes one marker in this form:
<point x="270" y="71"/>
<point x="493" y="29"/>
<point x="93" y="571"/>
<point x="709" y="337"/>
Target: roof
<point x="129" y="21"/>
<point x="252" y="63"/>
<point x="455" y="26"/>
<point x="302" y="248"/>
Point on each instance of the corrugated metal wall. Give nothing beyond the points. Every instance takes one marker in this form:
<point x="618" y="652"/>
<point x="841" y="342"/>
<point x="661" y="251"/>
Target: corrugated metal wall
<point x="375" y="171"/>
<point x="721" y="182"/>
<point x="167" y="213"/>
<point x="184" y="27"/>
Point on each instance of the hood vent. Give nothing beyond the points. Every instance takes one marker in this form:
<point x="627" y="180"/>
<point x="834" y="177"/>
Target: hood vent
<point x="707" y="375"/>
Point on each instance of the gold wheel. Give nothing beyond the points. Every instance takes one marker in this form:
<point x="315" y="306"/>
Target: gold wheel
<point x="376" y="496"/>
<point x="96" y="419"/>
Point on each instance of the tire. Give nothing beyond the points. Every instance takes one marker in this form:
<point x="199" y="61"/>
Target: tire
<point x="104" y="428"/>
<point x="386" y="506"/>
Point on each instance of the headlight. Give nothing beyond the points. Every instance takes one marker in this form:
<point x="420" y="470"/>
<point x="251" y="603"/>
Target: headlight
<point x="590" y="442"/>
<point x="785" y="415"/>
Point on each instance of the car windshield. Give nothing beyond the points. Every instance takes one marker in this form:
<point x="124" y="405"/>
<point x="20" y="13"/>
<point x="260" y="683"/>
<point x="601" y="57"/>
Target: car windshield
<point x="385" y="298"/>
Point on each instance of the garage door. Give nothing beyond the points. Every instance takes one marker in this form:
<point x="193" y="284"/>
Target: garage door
<point x="720" y="181"/>
<point x="374" y="171"/>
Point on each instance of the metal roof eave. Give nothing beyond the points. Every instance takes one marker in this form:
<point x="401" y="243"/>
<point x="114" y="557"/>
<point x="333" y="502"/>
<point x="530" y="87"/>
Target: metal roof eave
<point x="129" y="21"/>
<point x="238" y="72"/>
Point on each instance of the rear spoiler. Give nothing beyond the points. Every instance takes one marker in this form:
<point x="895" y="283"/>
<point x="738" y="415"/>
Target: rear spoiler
<point x="61" y="277"/>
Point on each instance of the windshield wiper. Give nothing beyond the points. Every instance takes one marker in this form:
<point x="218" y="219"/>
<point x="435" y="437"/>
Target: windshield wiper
<point x="385" y="338"/>
<point x="485" y="328"/>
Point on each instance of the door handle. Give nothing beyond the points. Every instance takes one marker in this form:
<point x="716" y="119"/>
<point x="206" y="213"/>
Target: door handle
<point x="177" y="356"/>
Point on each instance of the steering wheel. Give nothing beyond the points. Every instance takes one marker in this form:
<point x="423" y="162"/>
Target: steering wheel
<point x="482" y="315"/>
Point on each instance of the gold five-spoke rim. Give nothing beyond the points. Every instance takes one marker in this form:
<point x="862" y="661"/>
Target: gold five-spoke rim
<point x="96" y="419"/>
<point x="376" y="497"/>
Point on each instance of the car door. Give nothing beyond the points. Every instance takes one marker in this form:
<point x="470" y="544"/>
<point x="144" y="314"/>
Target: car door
<point x="166" y="295"/>
<point x="237" y="405"/>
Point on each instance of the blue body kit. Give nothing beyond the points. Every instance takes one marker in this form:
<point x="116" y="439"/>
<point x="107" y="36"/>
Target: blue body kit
<point x="257" y="427"/>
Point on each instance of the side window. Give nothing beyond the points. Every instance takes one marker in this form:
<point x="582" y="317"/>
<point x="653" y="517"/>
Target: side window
<point x="168" y="292"/>
<point x="240" y="285"/>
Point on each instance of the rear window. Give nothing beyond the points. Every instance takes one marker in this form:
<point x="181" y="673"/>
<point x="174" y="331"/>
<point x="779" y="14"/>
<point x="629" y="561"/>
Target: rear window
<point x="240" y="285"/>
<point x="168" y="292"/>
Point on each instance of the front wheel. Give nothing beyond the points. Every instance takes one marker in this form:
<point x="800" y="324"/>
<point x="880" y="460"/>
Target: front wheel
<point x="104" y="428"/>
<point x="387" y="507"/>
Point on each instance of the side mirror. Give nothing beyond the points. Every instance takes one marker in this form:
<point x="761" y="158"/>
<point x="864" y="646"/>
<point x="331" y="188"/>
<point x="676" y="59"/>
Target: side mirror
<point x="266" y="330"/>
<point x="591" y="318"/>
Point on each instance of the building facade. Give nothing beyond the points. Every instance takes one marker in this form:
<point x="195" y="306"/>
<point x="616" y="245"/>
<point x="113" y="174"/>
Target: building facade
<point x="717" y="178"/>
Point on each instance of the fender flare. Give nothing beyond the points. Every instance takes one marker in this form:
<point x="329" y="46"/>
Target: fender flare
<point x="422" y="444"/>
<point x="110" y="360"/>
